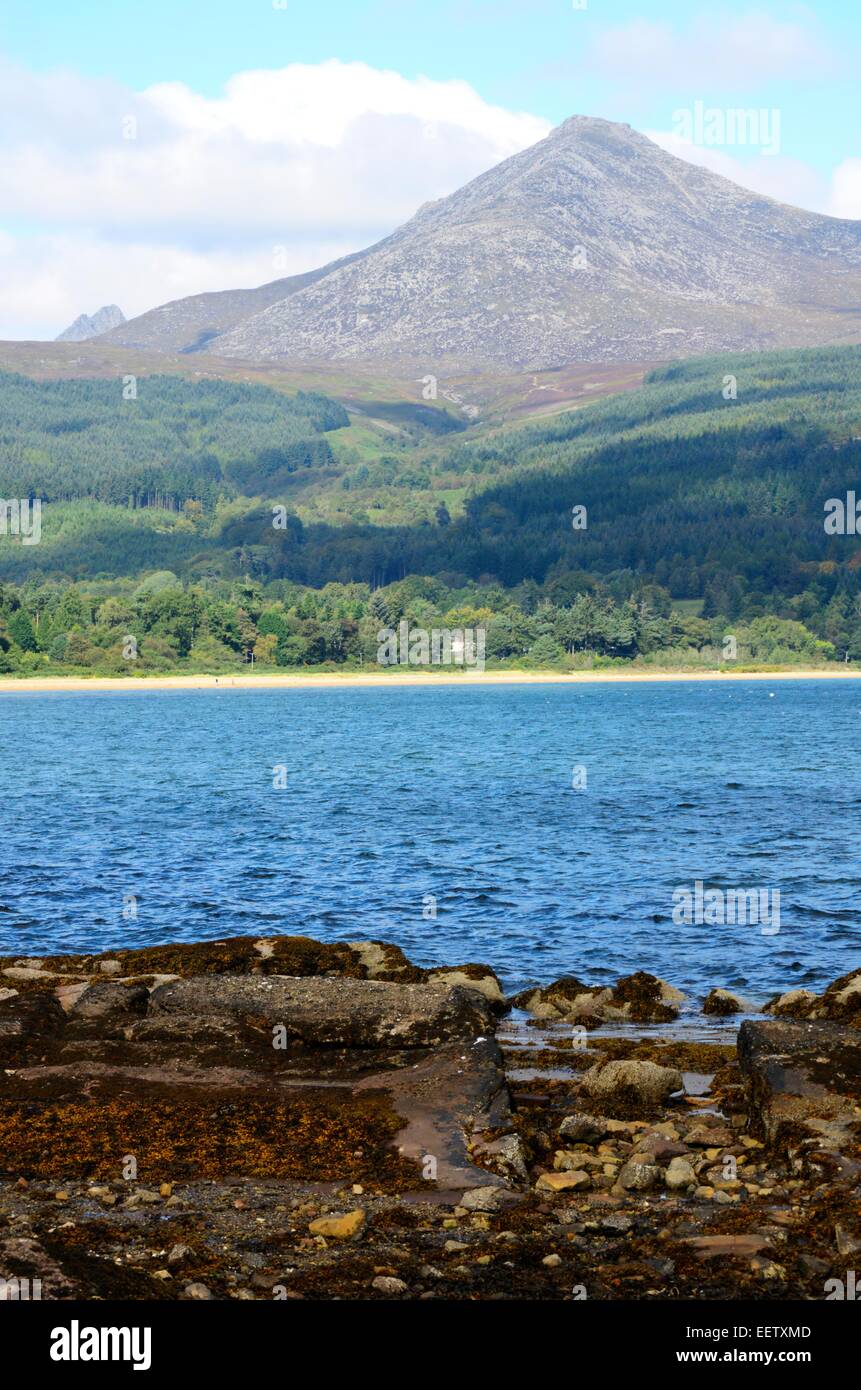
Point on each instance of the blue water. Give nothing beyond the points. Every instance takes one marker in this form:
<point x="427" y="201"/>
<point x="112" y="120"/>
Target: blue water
<point x="462" y="794"/>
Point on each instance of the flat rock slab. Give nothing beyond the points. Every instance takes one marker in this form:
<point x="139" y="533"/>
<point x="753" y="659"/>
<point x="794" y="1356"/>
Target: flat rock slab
<point x="456" y="1093"/>
<point x="369" y="1080"/>
<point x="334" y="1012"/>
<point x="805" y="1075"/>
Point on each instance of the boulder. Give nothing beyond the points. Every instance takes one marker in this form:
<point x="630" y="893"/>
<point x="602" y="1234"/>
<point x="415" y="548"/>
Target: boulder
<point x="479" y="977"/>
<point x="640" y="998"/>
<point x="28" y="1022"/>
<point x="795" y="1003"/>
<point x="644" y="1083"/>
<point x="645" y="998"/>
<point x="721" y="1003"/>
<point x="569" y="999"/>
<point x="108" y="1000"/>
<point x="802" y="1075"/>
<point x="839" y="1003"/>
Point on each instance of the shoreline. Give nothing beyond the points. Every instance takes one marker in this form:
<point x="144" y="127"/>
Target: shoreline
<point x="408" y="1139"/>
<point x="355" y="679"/>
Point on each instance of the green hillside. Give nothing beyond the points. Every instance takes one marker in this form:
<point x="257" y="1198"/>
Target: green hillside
<point x="704" y="506"/>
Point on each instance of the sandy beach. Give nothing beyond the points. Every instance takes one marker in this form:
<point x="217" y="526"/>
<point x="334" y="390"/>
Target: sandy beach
<point x="39" y="685"/>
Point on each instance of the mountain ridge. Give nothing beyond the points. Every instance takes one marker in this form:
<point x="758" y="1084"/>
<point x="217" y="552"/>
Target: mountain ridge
<point x="110" y="316"/>
<point x="593" y="245"/>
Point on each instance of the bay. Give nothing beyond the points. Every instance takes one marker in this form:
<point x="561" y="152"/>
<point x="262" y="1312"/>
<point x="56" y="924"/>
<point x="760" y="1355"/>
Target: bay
<point x="445" y="820"/>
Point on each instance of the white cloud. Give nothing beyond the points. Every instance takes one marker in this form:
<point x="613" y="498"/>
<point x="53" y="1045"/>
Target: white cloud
<point x="716" y="48"/>
<point x="318" y="159"/>
<point x="47" y="281"/>
<point x="846" y="190"/>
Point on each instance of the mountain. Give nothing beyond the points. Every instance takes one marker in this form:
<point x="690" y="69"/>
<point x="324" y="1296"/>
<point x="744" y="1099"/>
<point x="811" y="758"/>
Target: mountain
<point x="84" y="327"/>
<point x="595" y="245"/>
<point x="191" y="324"/>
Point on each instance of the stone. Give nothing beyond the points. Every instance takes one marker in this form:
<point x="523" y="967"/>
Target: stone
<point x="478" y="977"/>
<point x="616" y="1222"/>
<point x="795" y="1003"/>
<point x="507" y="1155"/>
<point x="639" y="1177"/>
<point x="28" y="1019"/>
<point x="841" y="1001"/>
<point x="198" y="1293"/>
<point x="645" y="998"/>
<point x="582" y="1129"/>
<point x="659" y="1150"/>
<point x="387" y="1284"/>
<point x="552" y="1261"/>
<point x="644" y="1082"/>
<point x="107" y="999"/>
<point x="680" y="1175"/>
<point x="701" y="1137"/>
<point x="848" y="1242"/>
<point x="339" y="1227"/>
<point x="714" y="1247"/>
<point x="723" y="1002"/>
<point x="576" y="1180"/>
<point x="484" y="1199"/>
<point x="378" y="960"/>
<point x="458" y="1089"/>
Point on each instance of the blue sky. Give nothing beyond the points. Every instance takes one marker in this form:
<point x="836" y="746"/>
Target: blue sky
<point x="230" y="176"/>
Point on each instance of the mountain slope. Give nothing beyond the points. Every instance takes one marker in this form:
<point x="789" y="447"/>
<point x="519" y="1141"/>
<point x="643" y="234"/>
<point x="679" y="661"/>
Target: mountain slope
<point x="108" y="317"/>
<point x="190" y="324"/>
<point x="593" y="245"/>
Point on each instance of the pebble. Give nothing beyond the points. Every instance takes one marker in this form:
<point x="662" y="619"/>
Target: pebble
<point x="483" y="1199"/>
<point x="386" y="1284"/>
<point x="562" y="1182"/>
<point x="339" y="1227"/>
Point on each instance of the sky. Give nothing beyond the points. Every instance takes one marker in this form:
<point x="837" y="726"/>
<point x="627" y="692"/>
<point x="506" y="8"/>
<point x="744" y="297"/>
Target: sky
<point x="153" y="151"/>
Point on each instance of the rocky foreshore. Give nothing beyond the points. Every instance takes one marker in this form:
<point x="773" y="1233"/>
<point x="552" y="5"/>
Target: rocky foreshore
<point x="287" y="1119"/>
